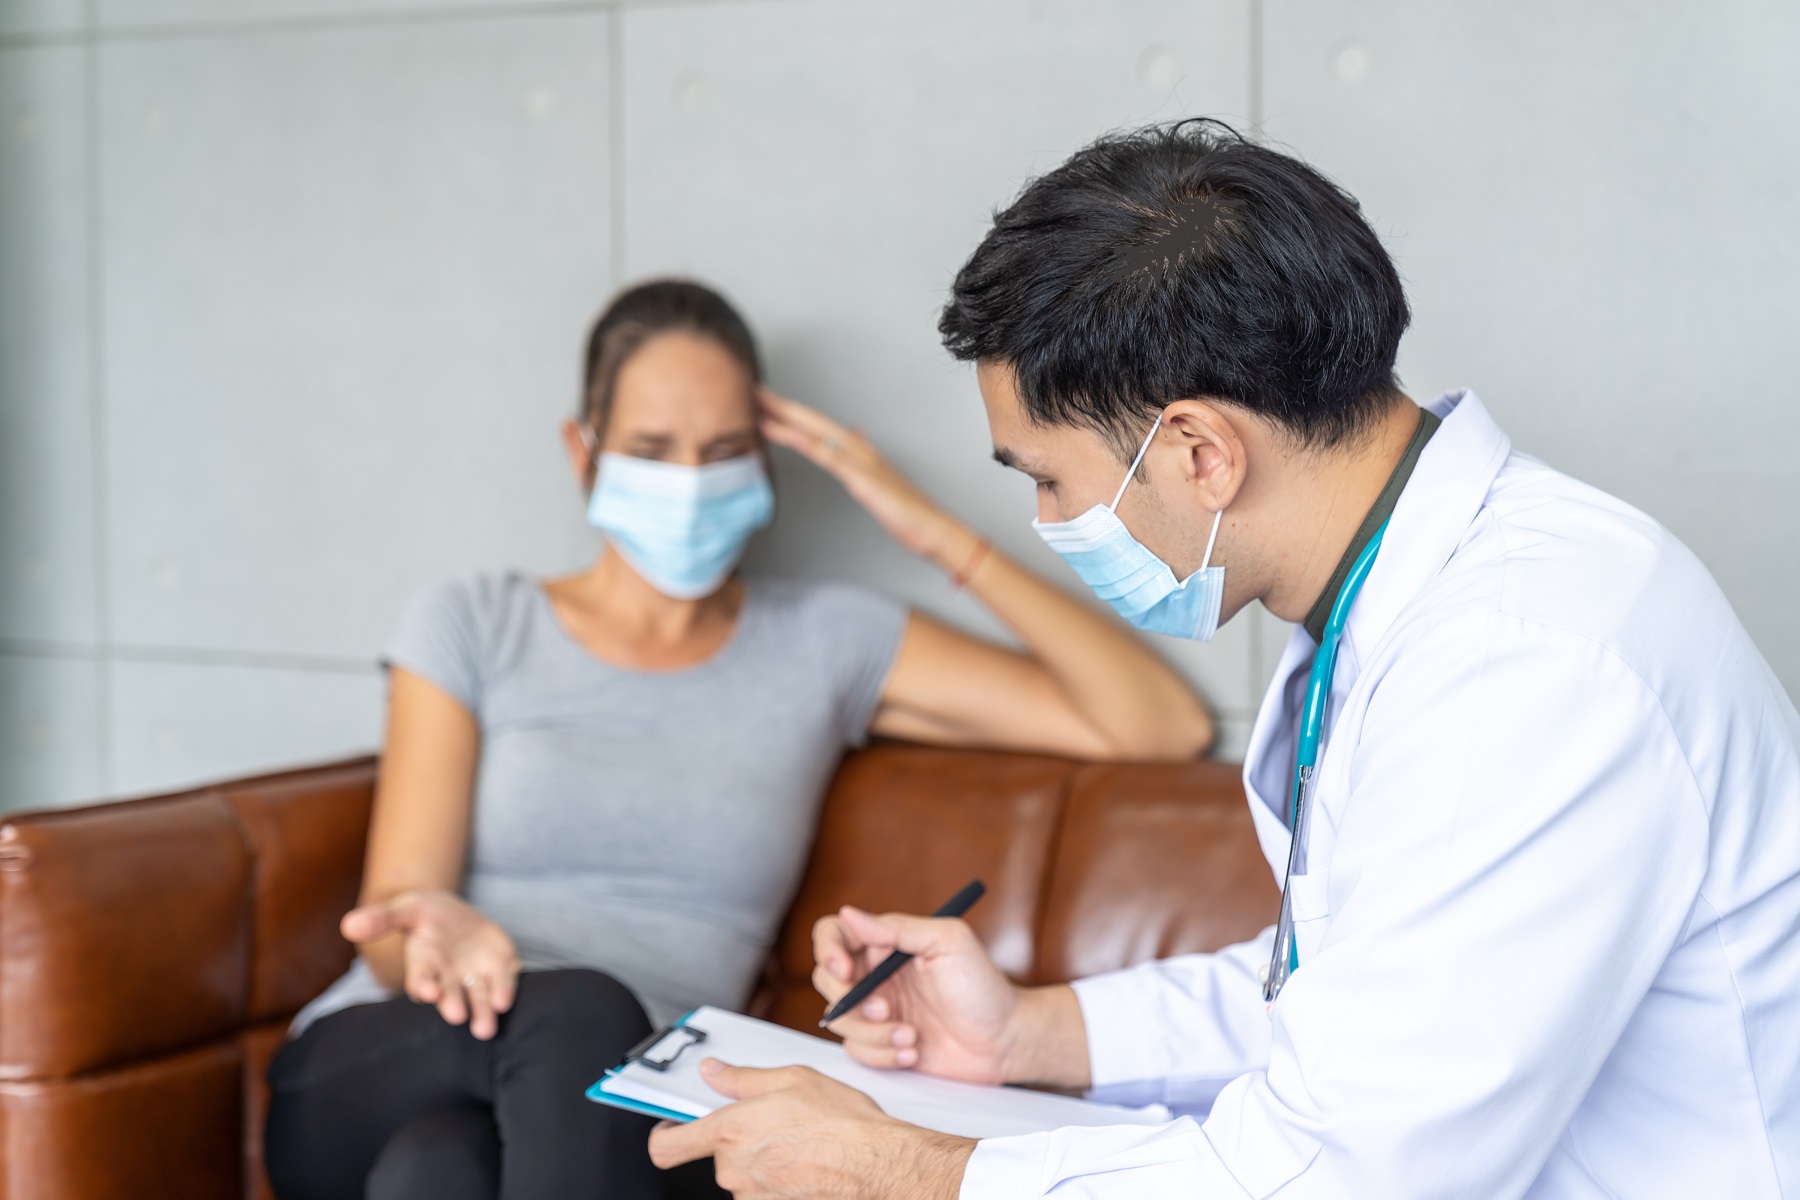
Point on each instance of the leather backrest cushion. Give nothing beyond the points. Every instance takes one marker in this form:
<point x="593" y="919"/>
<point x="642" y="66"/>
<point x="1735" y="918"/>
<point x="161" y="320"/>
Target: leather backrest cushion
<point x="125" y="931"/>
<point x="307" y="831"/>
<point x="905" y="827"/>
<point x="1153" y="860"/>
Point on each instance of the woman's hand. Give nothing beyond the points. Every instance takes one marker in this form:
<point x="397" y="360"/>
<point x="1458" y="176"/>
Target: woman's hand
<point x="909" y="516"/>
<point x="455" y="958"/>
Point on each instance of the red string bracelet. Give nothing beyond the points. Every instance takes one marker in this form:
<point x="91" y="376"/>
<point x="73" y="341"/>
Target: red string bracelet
<point x="960" y="580"/>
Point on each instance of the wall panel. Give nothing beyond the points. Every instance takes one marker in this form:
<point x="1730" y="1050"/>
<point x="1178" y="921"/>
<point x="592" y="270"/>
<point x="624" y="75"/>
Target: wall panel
<point x="49" y="731"/>
<point x="175" y="724"/>
<point x="175" y="14"/>
<point x="831" y="165"/>
<point x="32" y="18"/>
<point x="47" y="548"/>
<point x="346" y="273"/>
<point x="1593" y="206"/>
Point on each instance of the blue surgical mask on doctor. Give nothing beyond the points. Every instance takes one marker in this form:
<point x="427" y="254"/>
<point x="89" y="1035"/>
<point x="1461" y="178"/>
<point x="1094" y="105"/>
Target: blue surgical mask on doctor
<point x="682" y="528"/>
<point x="1122" y="571"/>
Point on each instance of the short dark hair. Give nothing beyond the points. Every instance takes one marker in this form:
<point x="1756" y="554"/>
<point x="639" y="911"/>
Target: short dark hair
<point x="1181" y="261"/>
<point x="644" y="311"/>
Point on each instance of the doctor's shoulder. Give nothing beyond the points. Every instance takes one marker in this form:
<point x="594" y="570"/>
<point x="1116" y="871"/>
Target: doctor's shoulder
<point x="1555" y="551"/>
<point x="1571" y="574"/>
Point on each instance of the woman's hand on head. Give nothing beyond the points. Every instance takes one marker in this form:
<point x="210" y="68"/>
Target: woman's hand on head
<point x="910" y="516"/>
<point x="455" y="957"/>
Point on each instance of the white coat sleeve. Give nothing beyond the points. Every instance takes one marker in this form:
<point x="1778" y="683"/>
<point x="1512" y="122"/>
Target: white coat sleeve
<point x="1520" y="846"/>
<point x="1177" y="1030"/>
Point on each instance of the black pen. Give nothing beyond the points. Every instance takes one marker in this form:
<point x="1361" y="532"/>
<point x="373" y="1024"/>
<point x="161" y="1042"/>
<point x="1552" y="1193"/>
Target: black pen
<point x="955" y="906"/>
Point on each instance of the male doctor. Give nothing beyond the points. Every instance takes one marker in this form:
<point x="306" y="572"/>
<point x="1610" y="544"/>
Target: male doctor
<point x="1542" y="922"/>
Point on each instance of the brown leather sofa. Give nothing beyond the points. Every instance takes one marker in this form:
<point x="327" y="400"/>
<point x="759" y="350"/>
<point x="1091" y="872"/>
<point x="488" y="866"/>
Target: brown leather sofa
<point x="152" y="951"/>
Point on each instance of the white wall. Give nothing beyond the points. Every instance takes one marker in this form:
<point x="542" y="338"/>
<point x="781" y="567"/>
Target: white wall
<point x="291" y="292"/>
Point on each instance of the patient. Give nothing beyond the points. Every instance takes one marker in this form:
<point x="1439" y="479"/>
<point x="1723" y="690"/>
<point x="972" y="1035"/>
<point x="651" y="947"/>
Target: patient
<point x="598" y="792"/>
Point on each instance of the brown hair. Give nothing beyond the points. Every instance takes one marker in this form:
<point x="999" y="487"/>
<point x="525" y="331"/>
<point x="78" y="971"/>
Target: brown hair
<point x="644" y="311"/>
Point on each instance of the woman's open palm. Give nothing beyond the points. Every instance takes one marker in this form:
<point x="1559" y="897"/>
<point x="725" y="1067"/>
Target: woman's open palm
<point x="455" y="957"/>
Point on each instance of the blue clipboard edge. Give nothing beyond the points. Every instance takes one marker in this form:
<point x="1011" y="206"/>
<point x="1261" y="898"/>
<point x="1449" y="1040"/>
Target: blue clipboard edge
<point x="600" y="1096"/>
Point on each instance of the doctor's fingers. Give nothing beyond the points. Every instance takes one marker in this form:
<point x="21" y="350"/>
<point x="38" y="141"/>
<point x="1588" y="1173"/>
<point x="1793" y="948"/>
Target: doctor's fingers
<point x="878" y="1043"/>
<point x="841" y="953"/>
<point x="878" y="1007"/>
<point x="927" y="937"/>
<point x="673" y="1143"/>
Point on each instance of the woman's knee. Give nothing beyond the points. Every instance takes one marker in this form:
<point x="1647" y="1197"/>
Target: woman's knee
<point x="450" y="1153"/>
<point x="577" y="1008"/>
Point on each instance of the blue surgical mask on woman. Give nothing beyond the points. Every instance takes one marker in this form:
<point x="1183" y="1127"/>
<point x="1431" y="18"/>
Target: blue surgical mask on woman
<point x="682" y="528"/>
<point x="1123" y="572"/>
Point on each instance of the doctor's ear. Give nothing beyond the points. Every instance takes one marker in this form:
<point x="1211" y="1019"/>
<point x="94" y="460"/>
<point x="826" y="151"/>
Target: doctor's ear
<point x="1213" y="456"/>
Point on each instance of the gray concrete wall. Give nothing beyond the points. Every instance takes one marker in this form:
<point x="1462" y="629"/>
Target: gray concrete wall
<point x="291" y="293"/>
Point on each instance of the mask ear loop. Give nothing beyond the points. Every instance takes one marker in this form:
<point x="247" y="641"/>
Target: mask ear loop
<point x="1207" y="557"/>
<point x="1142" y="450"/>
<point x="591" y="441"/>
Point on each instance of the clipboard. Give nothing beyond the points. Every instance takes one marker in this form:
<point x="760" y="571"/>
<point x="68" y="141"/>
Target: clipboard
<point x="660" y="1077"/>
<point x="651" y="1055"/>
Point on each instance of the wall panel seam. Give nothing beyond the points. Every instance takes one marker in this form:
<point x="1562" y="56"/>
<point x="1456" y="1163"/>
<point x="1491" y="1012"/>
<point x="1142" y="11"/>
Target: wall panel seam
<point x="195" y="656"/>
<point x="97" y="411"/>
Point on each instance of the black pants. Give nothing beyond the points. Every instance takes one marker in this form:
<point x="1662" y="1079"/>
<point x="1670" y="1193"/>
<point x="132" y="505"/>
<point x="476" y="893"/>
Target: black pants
<point x="390" y="1102"/>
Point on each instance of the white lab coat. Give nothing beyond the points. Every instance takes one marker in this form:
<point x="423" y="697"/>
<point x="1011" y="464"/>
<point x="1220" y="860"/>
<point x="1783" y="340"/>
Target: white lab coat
<point x="1550" y="941"/>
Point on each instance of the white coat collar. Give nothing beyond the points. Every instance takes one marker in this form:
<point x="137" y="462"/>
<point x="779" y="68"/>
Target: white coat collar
<point x="1447" y="490"/>
<point x="1448" y="487"/>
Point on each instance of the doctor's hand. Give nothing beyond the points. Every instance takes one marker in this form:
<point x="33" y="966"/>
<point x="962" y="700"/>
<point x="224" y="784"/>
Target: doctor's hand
<point x="793" y="1134"/>
<point x="455" y="958"/>
<point x="949" y="1012"/>
<point x="910" y="516"/>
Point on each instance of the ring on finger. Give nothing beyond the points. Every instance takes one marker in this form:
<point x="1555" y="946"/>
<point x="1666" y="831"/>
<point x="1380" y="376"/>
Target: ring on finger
<point x="469" y="981"/>
<point x="830" y="445"/>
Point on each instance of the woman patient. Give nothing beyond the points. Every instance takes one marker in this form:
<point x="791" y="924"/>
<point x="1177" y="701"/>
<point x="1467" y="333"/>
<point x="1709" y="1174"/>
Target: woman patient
<point x="597" y="792"/>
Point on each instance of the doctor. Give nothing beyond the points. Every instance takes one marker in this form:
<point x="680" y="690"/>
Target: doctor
<point x="1539" y="932"/>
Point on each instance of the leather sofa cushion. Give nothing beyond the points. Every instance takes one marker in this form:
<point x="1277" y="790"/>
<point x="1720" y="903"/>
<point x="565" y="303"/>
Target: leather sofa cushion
<point x="307" y="832"/>
<point x="166" y="1127"/>
<point x="1153" y="860"/>
<point x="904" y="828"/>
<point x="1090" y="868"/>
<point x="258" y="1045"/>
<point x="126" y="933"/>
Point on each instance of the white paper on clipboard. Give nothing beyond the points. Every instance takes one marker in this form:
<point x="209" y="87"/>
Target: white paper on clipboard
<point x="965" y="1109"/>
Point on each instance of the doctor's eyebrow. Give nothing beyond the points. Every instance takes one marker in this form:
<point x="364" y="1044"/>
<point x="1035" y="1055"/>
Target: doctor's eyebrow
<point x="1007" y="458"/>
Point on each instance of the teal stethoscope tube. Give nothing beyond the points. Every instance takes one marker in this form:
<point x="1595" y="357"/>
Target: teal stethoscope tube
<point x="1286" y="957"/>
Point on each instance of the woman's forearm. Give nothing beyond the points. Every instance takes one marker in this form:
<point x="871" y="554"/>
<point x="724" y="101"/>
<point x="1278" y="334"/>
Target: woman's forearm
<point x="1133" y="700"/>
<point x="1111" y="695"/>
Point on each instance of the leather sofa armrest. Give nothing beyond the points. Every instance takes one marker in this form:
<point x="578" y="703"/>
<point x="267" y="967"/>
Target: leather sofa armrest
<point x="124" y="933"/>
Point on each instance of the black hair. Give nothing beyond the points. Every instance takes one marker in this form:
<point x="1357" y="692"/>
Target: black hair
<point x="1177" y="262"/>
<point x="644" y="311"/>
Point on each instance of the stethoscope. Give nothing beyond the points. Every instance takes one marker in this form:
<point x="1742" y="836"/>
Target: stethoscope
<point x="1286" y="957"/>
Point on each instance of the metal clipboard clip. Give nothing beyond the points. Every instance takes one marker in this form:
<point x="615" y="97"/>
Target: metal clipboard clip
<point x="662" y="1048"/>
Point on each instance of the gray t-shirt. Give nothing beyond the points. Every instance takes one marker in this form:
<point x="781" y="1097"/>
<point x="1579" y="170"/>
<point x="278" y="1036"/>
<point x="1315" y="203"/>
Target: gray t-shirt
<point x="652" y="825"/>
